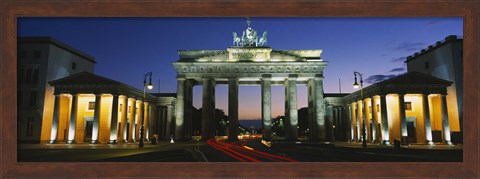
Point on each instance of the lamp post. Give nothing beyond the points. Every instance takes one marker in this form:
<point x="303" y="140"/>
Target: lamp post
<point x="145" y="86"/>
<point x="355" y="85"/>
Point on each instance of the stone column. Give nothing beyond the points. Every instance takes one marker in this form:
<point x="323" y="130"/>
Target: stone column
<point x="180" y="106"/>
<point x="123" y="128"/>
<point x="188" y="107"/>
<point x="169" y="124"/>
<point x="403" y="119"/>
<point x="357" y="117"/>
<point x="96" y="119"/>
<point x="267" y="107"/>
<point x="73" y="119"/>
<point x="233" y="109"/>
<point x="208" y="109"/>
<point x="132" y="120"/>
<point x="151" y="121"/>
<point x="426" y="120"/>
<point x="352" y="124"/>
<point x="56" y="116"/>
<point x="316" y="109"/>
<point x="383" y="113"/>
<point x="445" y="122"/>
<point x="114" y="120"/>
<point x="374" y="119"/>
<point x="291" y="111"/>
<point x="365" y="121"/>
<point x="329" y="123"/>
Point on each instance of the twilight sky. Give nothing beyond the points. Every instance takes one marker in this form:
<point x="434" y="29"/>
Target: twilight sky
<point x="127" y="48"/>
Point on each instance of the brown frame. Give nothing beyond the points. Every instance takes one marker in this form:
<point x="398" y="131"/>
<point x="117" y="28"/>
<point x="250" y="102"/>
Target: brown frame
<point x="11" y="10"/>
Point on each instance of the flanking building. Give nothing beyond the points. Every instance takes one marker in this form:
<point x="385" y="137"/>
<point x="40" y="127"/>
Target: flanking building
<point x="40" y="60"/>
<point x="444" y="60"/>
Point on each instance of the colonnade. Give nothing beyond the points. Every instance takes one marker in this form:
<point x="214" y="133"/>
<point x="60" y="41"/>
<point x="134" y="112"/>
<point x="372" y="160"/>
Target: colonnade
<point x="363" y="113"/>
<point x="115" y="121"/>
<point x="184" y="107"/>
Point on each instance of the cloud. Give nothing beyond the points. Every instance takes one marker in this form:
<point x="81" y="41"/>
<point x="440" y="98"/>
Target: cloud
<point x="409" y="46"/>
<point x="399" y="59"/>
<point x="377" y="78"/>
<point x="401" y="69"/>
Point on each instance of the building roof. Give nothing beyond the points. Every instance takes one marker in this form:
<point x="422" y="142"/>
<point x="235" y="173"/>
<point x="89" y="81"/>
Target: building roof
<point x="414" y="78"/>
<point x="164" y="94"/>
<point x="84" y="78"/>
<point x="335" y="94"/>
<point x="43" y="39"/>
<point x="438" y="44"/>
<point x="86" y="82"/>
<point x="412" y="82"/>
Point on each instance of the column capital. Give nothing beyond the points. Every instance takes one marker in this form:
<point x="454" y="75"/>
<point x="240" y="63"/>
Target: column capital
<point x="266" y="76"/>
<point x="319" y="76"/>
<point x="292" y="77"/>
<point x="181" y="78"/>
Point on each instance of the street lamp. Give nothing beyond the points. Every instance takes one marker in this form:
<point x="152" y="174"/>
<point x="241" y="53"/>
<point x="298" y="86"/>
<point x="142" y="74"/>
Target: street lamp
<point x="145" y="86"/>
<point x="355" y="85"/>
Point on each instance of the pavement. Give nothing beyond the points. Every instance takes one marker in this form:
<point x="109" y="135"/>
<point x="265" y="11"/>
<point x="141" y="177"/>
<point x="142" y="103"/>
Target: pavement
<point x="192" y="151"/>
<point x="161" y="144"/>
<point x="436" y="146"/>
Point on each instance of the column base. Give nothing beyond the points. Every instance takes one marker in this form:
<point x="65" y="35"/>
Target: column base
<point x="429" y="142"/>
<point x="94" y="142"/>
<point x="52" y="141"/>
<point x="448" y="142"/>
<point x="386" y="142"/>
<point x="112" y="142"/>
<point x="71" y="142"/>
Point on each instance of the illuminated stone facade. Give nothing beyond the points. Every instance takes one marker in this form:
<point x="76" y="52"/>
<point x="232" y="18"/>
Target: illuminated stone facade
<point x="444" y="60"/>
<point x="93" y="109"/>
<point x="411" y="108"/>
<point x="250" y="66"/>
<point x="40" y="60"/>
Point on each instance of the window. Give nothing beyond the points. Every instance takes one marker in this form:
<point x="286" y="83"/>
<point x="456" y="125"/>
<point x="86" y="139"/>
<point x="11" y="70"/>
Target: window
<point x="370" y="109"/>
<point x="120" y="107"/>
<point x="35" y="76"/>
<point x="22" y="54"/>
<point x="37" y="54"/>
<point x="74" y="66"/>
<point x="29" y="126"/>
<point x="33" y="98"/>
<point x="408" y="106"/>
<point x="378" y="107"/>
<point x="427" y="65"/>
<point x="19" y="98"/>
<point x="91" y="105"/>
<point x="29" y="76"/>
<point x="129" y="109"/>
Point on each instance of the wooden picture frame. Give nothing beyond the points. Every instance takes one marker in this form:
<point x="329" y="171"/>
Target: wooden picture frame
<point x="11" y="10"/>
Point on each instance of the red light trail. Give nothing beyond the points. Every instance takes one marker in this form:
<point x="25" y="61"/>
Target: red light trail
<point x="242" y="153"/>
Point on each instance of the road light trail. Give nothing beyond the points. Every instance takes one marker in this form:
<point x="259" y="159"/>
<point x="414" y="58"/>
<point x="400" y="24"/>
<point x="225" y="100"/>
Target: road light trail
<point x="241" y="152"/>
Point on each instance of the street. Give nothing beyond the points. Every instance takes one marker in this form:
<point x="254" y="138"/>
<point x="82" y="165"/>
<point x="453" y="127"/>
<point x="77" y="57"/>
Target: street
<point x="247" y="150"/>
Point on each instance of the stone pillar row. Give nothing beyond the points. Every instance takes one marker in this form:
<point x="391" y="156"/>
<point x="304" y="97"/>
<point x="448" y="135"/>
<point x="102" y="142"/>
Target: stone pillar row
<point x="117" y="133"/>
<point x="357" y="121"/>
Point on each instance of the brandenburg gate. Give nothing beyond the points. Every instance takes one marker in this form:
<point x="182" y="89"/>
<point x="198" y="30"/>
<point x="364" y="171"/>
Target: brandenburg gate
<point x="249" y="62"/>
